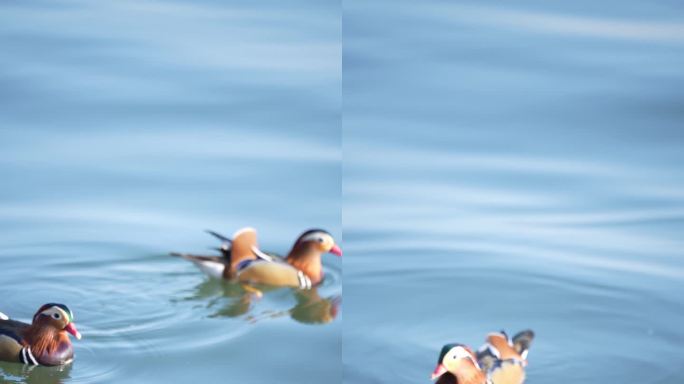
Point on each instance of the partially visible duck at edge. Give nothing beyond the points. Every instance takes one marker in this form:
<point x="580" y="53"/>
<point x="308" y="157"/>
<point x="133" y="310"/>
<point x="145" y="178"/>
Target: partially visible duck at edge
<point x="242" y="260"/>
<point x="501" y="360"/>
<point x="43" y="342"/>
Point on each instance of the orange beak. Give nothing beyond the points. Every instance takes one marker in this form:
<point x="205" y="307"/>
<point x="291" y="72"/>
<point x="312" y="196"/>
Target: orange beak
<point x="335" y="250"/>
<point x="71" y="328"/>
<point x="440" y="369"/>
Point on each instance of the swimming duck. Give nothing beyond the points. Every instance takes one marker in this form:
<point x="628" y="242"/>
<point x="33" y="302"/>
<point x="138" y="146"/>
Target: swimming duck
<point x="501" y="360"/>
<point x="44" y="341"/>
<point x="243" y="261"/>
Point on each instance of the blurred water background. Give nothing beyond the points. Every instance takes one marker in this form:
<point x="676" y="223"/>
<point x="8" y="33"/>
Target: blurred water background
<point x="510" y="166"/>
<point x="129" y="127"/>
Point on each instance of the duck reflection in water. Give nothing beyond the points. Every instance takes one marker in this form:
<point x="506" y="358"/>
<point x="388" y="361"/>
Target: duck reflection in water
<point x="35" y="374"/>
<point x="230" y="299"/>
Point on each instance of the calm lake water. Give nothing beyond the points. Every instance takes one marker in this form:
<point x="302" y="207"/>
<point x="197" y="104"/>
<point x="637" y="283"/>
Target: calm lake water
<point x="126" y="129"/>
<point x="509" y="167"/>
<point x="504" y="167"/>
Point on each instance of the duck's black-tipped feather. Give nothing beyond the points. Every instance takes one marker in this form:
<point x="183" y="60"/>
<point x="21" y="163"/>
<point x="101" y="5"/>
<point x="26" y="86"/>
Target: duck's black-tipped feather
<point x="191" y="257"/>
<point x="219" y="236"/>
<point x="226" y="244"/>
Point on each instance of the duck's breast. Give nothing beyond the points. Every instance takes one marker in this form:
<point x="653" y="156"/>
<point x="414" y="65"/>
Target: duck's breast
<point x="62" y="354"/>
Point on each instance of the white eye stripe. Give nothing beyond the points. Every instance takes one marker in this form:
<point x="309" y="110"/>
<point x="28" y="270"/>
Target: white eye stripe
<point x="316" y="236"/>
<point x="462" y="353"/>
<point x="55" y="312"/>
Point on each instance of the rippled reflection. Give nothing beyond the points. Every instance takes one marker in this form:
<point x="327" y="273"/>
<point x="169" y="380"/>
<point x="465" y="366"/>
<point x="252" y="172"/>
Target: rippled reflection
<point x="31" y="374"/>
<point x="225" y="298"/>
<point x="312" y="308"/>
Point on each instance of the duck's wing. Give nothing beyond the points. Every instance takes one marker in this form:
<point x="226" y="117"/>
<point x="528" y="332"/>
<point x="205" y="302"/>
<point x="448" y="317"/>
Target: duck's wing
<point x="10" y="340"/>
<point x="226" y="247"/>
<point x="12" y="328"/>
<point x="258" y="271"/>
<point x="244" y="242"/>
<point x="502" y="346"/>
<point x="10" y="349"/>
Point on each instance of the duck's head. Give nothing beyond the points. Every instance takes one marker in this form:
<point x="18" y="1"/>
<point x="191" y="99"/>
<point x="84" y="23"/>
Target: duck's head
<point x="320" y="240"/>
<point x="58" y="316"/>
<point x="454" y="358"/>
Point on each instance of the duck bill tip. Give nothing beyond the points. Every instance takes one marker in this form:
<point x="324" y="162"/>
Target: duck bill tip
<point x="440" y="369"/>
<point x="71" y="328"/>
<point x="335" y="250"/>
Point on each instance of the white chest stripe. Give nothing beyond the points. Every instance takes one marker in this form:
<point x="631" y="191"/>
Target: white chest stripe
<point x="304" y="281"/>
<point x="27" y="356"/>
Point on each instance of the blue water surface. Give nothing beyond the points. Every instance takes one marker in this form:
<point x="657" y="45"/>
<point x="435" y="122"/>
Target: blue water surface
<point x="510" y="166"/>
<point x="129" y="127"/>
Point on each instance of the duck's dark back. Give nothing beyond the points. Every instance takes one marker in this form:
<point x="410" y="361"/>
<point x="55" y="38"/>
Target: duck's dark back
<point x="12" y="328"/>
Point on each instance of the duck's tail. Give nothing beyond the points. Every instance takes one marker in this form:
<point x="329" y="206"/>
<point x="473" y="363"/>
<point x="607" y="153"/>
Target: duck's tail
<point x="234" y="251"/>
<point x="522" y="342"/>
<point x="226" y="244"/>
<point x="225" y="248"/>
<point x="3" y="316"/>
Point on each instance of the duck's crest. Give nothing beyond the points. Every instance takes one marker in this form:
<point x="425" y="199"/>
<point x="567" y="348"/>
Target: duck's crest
<point x="243" y="230"/>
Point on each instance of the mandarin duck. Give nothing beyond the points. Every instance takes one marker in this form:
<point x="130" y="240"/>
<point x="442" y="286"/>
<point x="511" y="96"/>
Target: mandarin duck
<point x="44" y="341"/>
<point x="242" y="260"/>
<point x="500" y="360"/>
